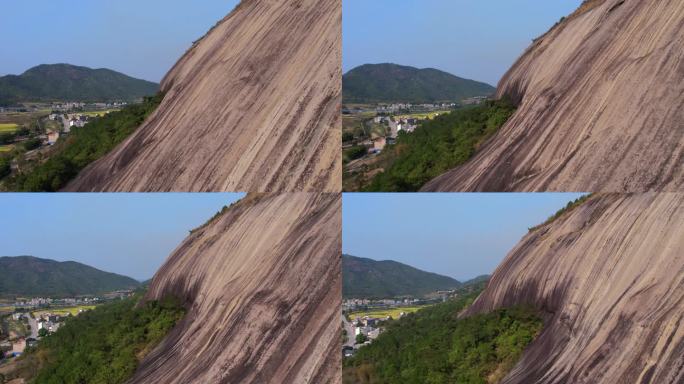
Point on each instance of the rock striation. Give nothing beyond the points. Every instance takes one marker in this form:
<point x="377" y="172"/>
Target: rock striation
<point x="600" y="107"/>
<point x="609" y="277"/>
<point x="262" y="287"/>
<point x="253" y="106"/>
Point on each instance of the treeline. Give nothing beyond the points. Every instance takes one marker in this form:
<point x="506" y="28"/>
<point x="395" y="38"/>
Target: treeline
<point x="434" y="346"/>
<point x="103" y="345"/>
<point x="569" y="207"/>
<point x="437" y="146"/>
<point x="83" y="146"/>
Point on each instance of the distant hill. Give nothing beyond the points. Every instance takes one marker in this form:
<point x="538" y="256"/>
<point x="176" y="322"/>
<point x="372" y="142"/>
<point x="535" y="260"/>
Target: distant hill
<point x="31" y="276"/>
<point x="383" y="279"/>
<point x="478" y="280"/>
<point x="373" y="83"/>
<point x="65" y="82"/>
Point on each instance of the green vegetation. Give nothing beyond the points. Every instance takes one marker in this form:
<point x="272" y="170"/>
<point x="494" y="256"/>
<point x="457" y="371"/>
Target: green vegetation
<point x="353" y="153"/>
<point x="366" y="278"/>
<point x="104" y="345"/>
<point x="434" y="346"/>
<point x="437" y="146"/>
<point x="82" y="147"/>
<point x="31" y="276"/>
<point x="48" y="83"/>
<point x="8" y="127"/>
<point x="31" y="144"/>
<point x="568" y="208"/>
<point x="378" y="83"/>
<point x="5" y="166"/>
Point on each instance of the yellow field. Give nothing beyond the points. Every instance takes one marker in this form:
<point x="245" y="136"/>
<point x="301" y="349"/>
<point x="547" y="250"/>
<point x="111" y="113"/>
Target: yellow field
<point x="6" y="148"/>
<point x="8" y="127"/>
<point x="98" y="113"/>
<point x="63" y="311"/>
<point x="379" y="313"/>
<point x="422" y="116"/>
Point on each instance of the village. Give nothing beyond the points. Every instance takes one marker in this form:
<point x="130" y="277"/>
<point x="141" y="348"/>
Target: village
<point x="364" y="320"/>
<point x="43" y="124"/>
<point x="25" y="322"/>
<point x="367" y="130"/>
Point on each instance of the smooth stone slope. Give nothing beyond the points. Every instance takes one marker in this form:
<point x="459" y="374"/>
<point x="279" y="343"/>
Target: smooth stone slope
<point x="262" y="286"/>
<point x="600" y="107"/>
<point x="253" y="106"/>
<point x="609" y="277"/>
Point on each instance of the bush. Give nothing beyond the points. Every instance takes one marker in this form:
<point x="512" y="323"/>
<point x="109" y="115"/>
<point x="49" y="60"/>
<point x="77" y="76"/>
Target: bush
<point x="355" y="152"/>
<point x="5" y="166"/>
<point x="32" y="144"/>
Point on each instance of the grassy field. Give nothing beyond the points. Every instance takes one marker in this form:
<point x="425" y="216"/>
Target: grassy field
<point x="379" y="313"/>
<point x="8" y="127"/>
<point x="6" y="148"/>
<point x="98" y="113"/>
<point x="422" y="116"/>
<point x="63" y="311"/>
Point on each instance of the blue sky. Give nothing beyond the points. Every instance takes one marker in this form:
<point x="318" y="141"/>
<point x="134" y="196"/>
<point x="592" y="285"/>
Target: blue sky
<point x="139" y="38"/>
<point x="129" y="234"/>
<point x="469" y="38"/>
<point x="461" y="235"/>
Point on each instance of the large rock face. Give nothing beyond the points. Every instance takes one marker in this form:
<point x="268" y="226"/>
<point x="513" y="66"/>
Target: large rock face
<point x="262" y="284"/>
<point x="253" y="106"/>
<point x="601" y="107"/>
<point x="610" y="278"/>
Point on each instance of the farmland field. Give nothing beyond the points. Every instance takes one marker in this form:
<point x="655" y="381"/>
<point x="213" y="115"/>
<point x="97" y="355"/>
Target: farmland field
<point x="422" y="116"/>
<point x="384" y="312"/>
<point x="8" y="127"/>
<point x="6" y="148"/>
<point x="63" y="311"/>
<point x="98" y="113"/>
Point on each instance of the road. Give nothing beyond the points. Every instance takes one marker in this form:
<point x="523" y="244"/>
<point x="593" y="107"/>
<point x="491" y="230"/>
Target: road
<point x="350" y="332"/>
<point x="34" y="326"/>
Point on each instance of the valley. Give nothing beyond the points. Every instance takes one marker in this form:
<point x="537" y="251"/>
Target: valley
<point x="50" y="111"/>
<point x="384" y="106"/>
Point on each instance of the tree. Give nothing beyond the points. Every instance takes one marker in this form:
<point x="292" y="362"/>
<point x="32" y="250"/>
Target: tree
<point x="361" y="338"/>
<point x="43" y="332"/>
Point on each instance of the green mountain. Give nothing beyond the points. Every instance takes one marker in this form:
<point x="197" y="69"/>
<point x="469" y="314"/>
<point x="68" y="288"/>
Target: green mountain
<point x="31" y="276"/>
<point x="375" y="83"/>
<point x="366" y="278"/>
<point x="64" y="82"/>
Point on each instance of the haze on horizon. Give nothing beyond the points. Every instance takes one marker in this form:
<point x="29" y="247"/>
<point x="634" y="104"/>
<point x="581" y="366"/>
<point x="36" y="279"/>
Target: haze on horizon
<point x="128" y="234"/>
<point x="448" y="35"/>
<point x="460" y="235"/>
<point x="142" y="39"/>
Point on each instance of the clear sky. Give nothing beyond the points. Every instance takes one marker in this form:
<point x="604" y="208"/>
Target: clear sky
<point x="141" y="38"/>
<point x="474" y="39"/>
<point x="129" y="234"/>
<point x="461" y="235"/>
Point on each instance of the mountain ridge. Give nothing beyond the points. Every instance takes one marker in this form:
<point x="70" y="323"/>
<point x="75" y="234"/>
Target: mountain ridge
<point x="368" y="278"/>
<point x="388" y="82"/>
<point x="33" y="276"/>
<point x="67" y="82"/>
